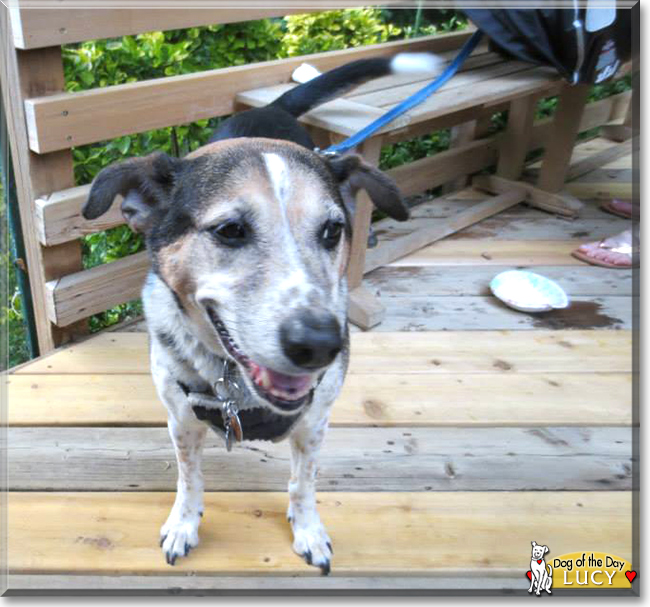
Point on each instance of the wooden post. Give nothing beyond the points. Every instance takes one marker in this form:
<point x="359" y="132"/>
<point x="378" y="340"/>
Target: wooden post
<point x="28" y="74"/>
<point x="365" y="310"/>
<point x="514" y="144"/>
<point x="562" y="137"/>
<point x="619" y="131"/>
<point x="460" y="135"/>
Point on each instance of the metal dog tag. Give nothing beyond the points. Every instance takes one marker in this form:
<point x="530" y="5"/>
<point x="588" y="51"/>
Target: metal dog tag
<point x="232" y="424"/>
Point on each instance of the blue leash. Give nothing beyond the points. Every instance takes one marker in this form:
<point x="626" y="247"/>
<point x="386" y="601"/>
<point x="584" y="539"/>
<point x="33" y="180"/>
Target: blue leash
<point x="412" y="101"/>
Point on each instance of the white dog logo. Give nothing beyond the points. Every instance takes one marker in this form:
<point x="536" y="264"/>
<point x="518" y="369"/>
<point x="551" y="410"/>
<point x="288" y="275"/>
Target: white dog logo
<point x="540" y="577"/>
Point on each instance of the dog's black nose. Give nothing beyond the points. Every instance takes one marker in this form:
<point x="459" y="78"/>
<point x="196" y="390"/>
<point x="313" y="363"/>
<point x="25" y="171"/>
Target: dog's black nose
<point x="311" y="339"/>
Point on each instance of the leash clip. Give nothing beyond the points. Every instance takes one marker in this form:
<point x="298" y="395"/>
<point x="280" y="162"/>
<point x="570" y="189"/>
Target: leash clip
<point x="327" y="153"/>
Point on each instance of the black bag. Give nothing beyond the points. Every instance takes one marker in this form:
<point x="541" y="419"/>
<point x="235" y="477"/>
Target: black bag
<point x="585" y="45"/>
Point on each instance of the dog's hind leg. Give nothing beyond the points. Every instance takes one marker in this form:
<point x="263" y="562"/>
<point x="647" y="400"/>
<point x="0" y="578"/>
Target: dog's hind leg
<point x="310" y="538"/>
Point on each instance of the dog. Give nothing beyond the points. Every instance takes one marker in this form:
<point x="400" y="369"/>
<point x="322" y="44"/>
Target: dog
<point x="541" y="578"/>
<point x="246" y="299"/>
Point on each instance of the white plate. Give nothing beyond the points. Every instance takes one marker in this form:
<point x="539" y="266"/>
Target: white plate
<point x="528" y="292"/>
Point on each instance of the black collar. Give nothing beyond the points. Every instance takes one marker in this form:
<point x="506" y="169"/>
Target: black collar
<point x="258" y="423"/>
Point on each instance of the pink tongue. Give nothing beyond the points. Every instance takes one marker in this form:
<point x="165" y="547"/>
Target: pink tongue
<point x="289" y="383"/>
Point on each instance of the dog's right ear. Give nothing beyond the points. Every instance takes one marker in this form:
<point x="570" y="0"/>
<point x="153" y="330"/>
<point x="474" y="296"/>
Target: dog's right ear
<point x="145" y="183"/>
<point x="353" y="173"/>
<point x="534" y="544"/>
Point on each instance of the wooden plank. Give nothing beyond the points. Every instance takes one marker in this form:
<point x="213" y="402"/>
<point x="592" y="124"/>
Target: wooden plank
<point x="82" y="294"/>
<point x="502" y="395"/>
<point x="58" y="216"/>
<point x="467" y="281"/>
<point x="341" y="115"/>
<point x="510" y="227"/>
<point x="481" y="313"/>
<point x="588" y="351"/>
<point x="61" y="121"/>
<point x="352" y="459"/>
<point x="561" y="203"/>
<point x="494" y="253"/>
<point x="246" y="533"/>
<point x="43" y="26"/>
<point x="471" y="77"/>
<point x="209" y="585"/>
<point x="622" y="150"/>
<point x="25" y="74"/>
<point x="600" y="190"/>
<point x="495" y="90"/>
<point x="389" y="251"/>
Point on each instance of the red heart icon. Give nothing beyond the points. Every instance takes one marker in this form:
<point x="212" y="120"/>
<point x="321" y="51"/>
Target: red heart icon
<point x="630" y="575"/>
<point x="539" y="562"/>
<point x="529" y="574"/>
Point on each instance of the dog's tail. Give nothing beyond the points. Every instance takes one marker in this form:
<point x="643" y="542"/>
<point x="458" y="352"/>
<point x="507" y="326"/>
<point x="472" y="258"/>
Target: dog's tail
<point x="340" y="80"/>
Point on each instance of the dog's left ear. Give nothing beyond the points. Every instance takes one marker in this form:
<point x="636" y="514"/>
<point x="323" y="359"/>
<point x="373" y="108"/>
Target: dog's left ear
<point x="352" y="171"/>
<point x="545" y="549"/>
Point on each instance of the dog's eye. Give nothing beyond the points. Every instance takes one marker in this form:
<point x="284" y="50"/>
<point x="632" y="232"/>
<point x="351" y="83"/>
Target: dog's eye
<point x="232" y="233"/>
<point x="331" y="233"/>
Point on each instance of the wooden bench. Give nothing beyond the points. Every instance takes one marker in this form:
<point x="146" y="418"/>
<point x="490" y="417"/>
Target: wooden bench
<point x="485" y="84"/>
<point x="45" y="123"/>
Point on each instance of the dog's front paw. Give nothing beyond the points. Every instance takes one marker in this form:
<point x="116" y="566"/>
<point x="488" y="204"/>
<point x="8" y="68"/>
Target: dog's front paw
<point x="314" y="545"/>
<point x="178" y="536"/>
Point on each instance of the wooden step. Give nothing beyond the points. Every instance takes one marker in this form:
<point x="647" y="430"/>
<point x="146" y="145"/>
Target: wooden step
<point x="373" y="533"/>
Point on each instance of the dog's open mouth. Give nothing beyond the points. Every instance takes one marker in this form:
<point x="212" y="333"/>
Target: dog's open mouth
<point x="288" y="392"/>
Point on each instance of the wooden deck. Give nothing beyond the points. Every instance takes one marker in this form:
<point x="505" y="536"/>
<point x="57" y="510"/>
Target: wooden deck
<point x="465" y="430"/>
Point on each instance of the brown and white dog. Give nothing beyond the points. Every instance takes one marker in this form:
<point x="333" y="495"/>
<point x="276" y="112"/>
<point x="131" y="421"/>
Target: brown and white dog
<point x="249" y="239"/>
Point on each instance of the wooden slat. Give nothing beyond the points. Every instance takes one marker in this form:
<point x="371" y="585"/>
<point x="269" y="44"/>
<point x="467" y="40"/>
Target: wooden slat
<point x="495" y="90"/>
<point x="389" y="251"/>
<point x="604" y="190"/>
<point x="39" y="27"/>
<point x="494" y="253"/>
<point x="62" y="121"/>
<point x="58" y="215"/>
<point x="352" y="459"/>
<point x="82" y="294"/>
<point x="341" y="116"/>
<point x="589" y="351"/>
<point x="499" y="396"/>
<point x="247" y="532"/>
<point x="469" y="77"/>
<point x="507" y="226"/>
<point x="467" y="281"/>
<point x="426" y="313"/>
<point x="59" y="219"/>
<point x="210" y="585"/>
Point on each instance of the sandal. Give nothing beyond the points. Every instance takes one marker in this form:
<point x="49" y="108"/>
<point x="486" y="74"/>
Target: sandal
<point x="624" y="249"/>
<point x="611" y="207"/>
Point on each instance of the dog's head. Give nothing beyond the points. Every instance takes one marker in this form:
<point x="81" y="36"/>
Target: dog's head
<point x="253" y="238"/>
<point x="538" y="550"/>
